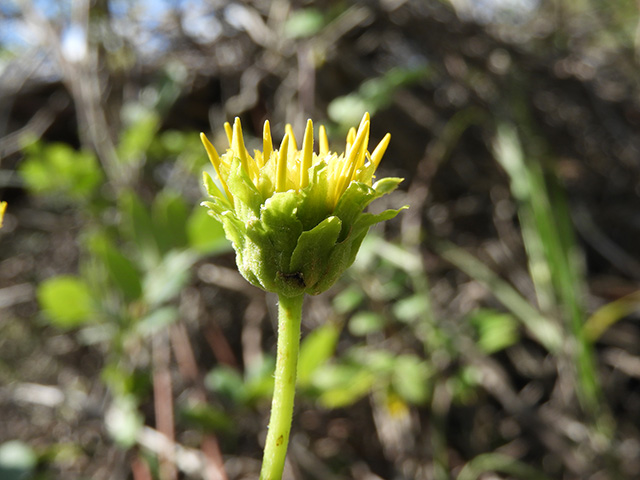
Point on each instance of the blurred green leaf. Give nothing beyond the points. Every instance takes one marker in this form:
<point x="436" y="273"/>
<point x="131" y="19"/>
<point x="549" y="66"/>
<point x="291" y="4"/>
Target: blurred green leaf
<point x="157" y="320"/>
<point x="463" y="384"/>
<point x="374" y="94"/>
<point x="364" y="323"/>
<point x="174" y="141"/>
<point x="169" y="214"/>
<point x="555" y="263"/>
<point x="165" y="280"/>
<point x="66" y="300"/>
<point x="317" y="347"/>
<point x="609" y="314"/>
<point x="138" y="135"/>
<point x="379" y="361"/>
<point x="410" y="379"/>
<point x="497" y="462"/>
<point x="411" y="308"/>
<point x="17" y="460"/>
<point x="341" y="385"/>
<point x="123" y="382"/>
<point x="137" y="225"/>
<point x="496" y="331"/>
<point x="124" y="421"/>
<point x="543" y="329"/>
<point x="228" y="382"/>
<point x="120" y="269"/>
<point x="259" y="381"/>
<point x="304" y="23"/>
<point x="348" y="299"/>
<point x="206" y="234"/>
<point x="348" y="110"/>
<point x="58" y="169"/>
<point x="208" y="418"/>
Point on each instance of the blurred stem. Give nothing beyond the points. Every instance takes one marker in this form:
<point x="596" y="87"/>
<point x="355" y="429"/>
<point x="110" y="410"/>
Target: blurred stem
<point x="275" y="450"/>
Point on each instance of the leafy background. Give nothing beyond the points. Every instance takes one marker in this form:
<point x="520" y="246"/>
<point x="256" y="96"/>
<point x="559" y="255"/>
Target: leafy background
<point x="488" y="332"/>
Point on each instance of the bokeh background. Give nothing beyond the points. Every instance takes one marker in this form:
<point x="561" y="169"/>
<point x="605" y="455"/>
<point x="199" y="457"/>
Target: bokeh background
<point x="488" y="332"/>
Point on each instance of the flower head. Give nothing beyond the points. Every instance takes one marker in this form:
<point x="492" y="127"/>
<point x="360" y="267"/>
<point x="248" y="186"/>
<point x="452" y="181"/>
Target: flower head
<point x="295" y="217"/>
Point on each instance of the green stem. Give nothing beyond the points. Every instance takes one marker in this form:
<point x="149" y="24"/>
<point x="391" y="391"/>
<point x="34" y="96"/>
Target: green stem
<point x="275" y="449"/>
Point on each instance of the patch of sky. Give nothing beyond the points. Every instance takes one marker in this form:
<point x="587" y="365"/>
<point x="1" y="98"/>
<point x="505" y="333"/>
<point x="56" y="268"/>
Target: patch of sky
<point x="499" y="11"/>
<point x="9" y="8"/>
<point x="14" y="35"/>
<point x="74" y="43"/>
<point x="119" y="8"/>
<point x="53" y="8"/>
<point x="200" y="22"/>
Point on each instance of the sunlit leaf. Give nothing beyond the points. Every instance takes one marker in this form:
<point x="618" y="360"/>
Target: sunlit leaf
<point x="315" y="349"/>
<point x="66" y="300"/>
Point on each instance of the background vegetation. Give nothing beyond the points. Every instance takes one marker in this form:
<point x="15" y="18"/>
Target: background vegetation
<point x="489" y="332"/>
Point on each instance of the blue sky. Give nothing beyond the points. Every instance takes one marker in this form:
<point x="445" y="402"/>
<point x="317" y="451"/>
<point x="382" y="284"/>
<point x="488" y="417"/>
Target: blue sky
<point x="200" y="22"/>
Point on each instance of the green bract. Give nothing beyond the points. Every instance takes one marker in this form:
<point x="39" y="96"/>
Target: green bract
<point x="295" y="218"/>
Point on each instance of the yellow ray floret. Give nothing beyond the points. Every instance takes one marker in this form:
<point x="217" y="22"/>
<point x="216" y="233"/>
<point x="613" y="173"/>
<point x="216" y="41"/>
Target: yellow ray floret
<point x="3" y="207"/>
<point x="288" y="168"/>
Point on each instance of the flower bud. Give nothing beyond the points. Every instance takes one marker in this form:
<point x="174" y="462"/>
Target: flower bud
<point x="296" y="218"/>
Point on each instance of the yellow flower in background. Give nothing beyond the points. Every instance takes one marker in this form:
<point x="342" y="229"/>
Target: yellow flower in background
<point x="295" y="217"/>
<point x="3" y="208"/>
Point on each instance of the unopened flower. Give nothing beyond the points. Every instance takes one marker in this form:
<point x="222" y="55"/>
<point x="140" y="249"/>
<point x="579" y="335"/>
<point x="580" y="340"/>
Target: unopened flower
<point x="295" y="217"/>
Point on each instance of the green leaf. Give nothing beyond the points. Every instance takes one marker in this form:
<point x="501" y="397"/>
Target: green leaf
<point x="208" y="418"/>
<point x="304" y="23"/>
<point x="66" y="300"/>
<point x="316" y="349"/>
<point x="137" y="137"/>
<point x="314" y="206"/>
<point x="374" y="94"/>
<point x="247" y="198"/>
<point x="411" y="308"/>
<point x="234" y="230"/>
<point x="364" y="323"/>
<point x="273" y="238"/>
<point x="342" y="257"/>
<point x="278" y="218"/>
<point x="542" y="328"/>
<point x="496" y="331"/>
<point x="138" y="226"/>
<point x="214" y="192"/>
<point x="124" y="275"/>
<point x="368" y="219"/>
<point x="498" y="462"/>
<point x="206" y="234"/>
<point x="57" y="169"/>
<point x="386" y="185"/>
<point x="260" y="381"/>
<point x="348" y="109"/>
<point x="169" y="214"/>
<point x="342" y="385"/>
<point x="124" y="421"/>
<point x="228" y="382"/>
<point x="348" y="299"/>
<point x="164" y="281"/>
<point x="351" y="205"/>
<point x="157" y="320"/>
<point x="125" y="383"/>
<point x="410" y="379"/>
<point x="311" y="255"/>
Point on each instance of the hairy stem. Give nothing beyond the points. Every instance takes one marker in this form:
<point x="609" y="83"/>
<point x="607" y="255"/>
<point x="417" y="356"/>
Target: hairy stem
<point x="275" y="450"/>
